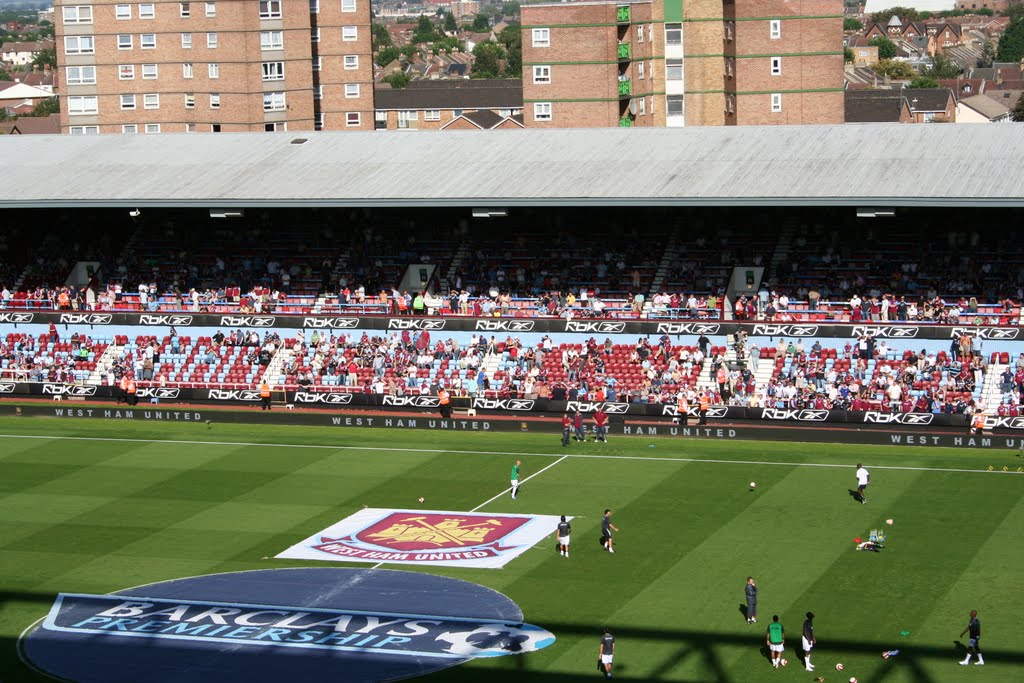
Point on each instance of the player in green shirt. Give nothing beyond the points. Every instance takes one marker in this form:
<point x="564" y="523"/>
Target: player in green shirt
<point x="514" y="479"/>
<point x="776" y="639"/>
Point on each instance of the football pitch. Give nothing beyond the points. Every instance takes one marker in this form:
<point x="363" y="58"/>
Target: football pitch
<point x="97" y="507"/>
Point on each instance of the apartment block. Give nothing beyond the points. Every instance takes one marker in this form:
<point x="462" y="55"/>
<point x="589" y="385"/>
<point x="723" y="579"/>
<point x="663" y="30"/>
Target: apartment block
<point x="216" y="65"/>
<point x="674" y="63"/>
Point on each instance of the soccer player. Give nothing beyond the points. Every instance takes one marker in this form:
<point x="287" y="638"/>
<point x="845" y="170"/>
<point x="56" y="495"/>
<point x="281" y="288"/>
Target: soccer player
<point x="775" y="636"/>
<point x="566" y="428"/>
<point x="600" y="426"/>
<point x="808" y="640"/>
<point x="606" y="652"/>
<point x="974" y="644"/>
<point x="751" y="594"/>
<point x="862" y="482"/>
<point x="606" y="531"/>
<point x="514" y="479"/>
<point x="562" y="536"/>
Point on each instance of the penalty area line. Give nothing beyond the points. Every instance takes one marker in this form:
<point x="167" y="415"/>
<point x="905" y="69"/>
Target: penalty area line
<point x="559" y="456"/>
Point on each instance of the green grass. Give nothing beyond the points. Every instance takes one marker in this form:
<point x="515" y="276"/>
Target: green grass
<point x="127" y="504"/>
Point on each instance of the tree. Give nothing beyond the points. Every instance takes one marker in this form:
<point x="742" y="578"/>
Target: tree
<point x="448" y="43"/>
<point x="487" y="57"/>
<point x="381" y="36"/>
<point x="886" y="48"/>
<point x="51" y="105"/>
<point x="46" y="58"/>
<point x="1011" y="45"/>
<point x="397" y="80"/>
<point x="387" y="55"/>
<point x="943" y="67"/>
<point x="1017" y="113"/>
<point x="848" y="55"/>
<point x="481" y="23"/>
<point x="924" y="82"/>
<point x="512" y="38"/>
<point x="425" y="31"/>
<point x="904" y="13"/>
<point x="410" y="51"/>
<point x="4" y="75"/>
<point x="852" y="24"/>
<point x="893" y="68"/>
<point x="449" y="23"/>
<point x="988" y="54"/>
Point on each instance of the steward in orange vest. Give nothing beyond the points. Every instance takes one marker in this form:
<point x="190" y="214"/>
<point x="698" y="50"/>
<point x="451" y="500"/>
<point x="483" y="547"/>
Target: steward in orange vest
<point x="265" y="396"/>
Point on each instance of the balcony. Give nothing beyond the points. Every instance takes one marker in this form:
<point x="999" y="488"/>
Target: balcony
<point x="625" y="51"/>
<point x="622" y="14"/>
<point x="625" y="87"/>
<point x="625" y="122"/>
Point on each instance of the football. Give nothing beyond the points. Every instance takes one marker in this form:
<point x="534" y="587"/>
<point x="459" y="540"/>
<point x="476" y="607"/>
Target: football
<point x="421" y="500"/>
<point x="889" y="521"/>
<point x="784" y="662"/>
<point x="839" y="667"/>
<point x="853" y="679"/>
<point x="753" y="484"/>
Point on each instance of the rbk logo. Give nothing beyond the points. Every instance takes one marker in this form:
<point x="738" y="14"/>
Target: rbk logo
<point x="337" y="399"/>
<point x="412" y="401"/>
<point x="898" y="418"/>
<point x="234" y="395"/>
<point x="247" y="321"/>
<point x="159" y="392"/>
<point x="995" y="422"/>
<point x="588" y="407"/>
<point x="86" y="318"/>
<point x="802" y="415"/>
<point x="505" y="325"/>
<point x="688" y="328"/>
<point x="7" y="388"/>
<point x="785" y="330"/>
<point x="503" y="404"/>
<point x="331" y="323"/>
<point x="174" y="320"/>
<point x="999" y="333"/>
<point x="68" y="390"/>
<point x="604" y="327"/>
<point x="16" y="317"/>
<point x="885" y="332"/>
<point x="416" y="324"/>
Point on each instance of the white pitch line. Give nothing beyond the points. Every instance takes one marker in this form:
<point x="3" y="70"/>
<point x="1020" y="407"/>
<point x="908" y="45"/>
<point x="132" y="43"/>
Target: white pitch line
<point x="436" y="451"/>
<point x="547" y="467"/>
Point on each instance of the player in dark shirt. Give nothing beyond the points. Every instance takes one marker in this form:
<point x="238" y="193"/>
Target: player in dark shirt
<point x="606" y="652"/>
<point x="750" y="592"/>
<point x="606" y="531"/>
<point x="562" y="537"/>
<point x="974" y="644"/>
<point x="808" y="640"/>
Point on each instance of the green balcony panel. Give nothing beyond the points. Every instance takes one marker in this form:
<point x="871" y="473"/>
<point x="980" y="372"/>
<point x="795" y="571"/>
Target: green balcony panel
<point x="622" y="15"/>
<point x="625" y="50"/>
<point x="625" y="88"/>
<point x="625" y="123"/>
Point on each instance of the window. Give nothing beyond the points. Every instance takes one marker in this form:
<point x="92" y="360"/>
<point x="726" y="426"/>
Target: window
<point x="318" y="92"/>
<point x="673" y="69"/>
<point x="273" y="71"/>
<point x="270" y="9"/>
<point x="211" y="40"/>
<point x="541" y="111"/>
<point x="152" y="127"/>
<point x="651" y="108"/>
<point x="190" y="100"/>
<point x="275" y="127"/>
<point x="349" y="33"/>
<point x="776" y="66"/>
<point x="147" y="11"/>
<point x="215" y="127"/>
<point x="351" y="62"/>
<point x="351" y="90"/>
<point x="151" y="101"/>
<point x="353" y="118"/>
<point x="186" y="71"/>
<point x="271" y="40"/>
<point x="186" y="41"/>
<point x="650" y="33"/>
<point x="776" y="102"/>
<point x="190" y="128"/>
<point x="542" y="37"/>
<point x="147" y="41"/>
<point x="317" y="63"/>
<point x="214" y="101"/>
<point x="314" y="34"/>
<point x="126" y="72"/>
<point x="542" y="74"/>
<point x="348" y="5"/>
<point x="408" y="119"/>
<point x="211" y="9"/>
<point x="775" y="29"/>
<point x="640" y="70"/>
<point x="81" y="75"/>
<point x="80" y="45"/>
<point x="314" y="6"/>
<point x="79" y="14"/>
<point x="643" y="106"/>
<point x="122" y="12"/>
<point x="730" y="104"/>
<point x="149" y="71"/>
<point x="185" y="9"/>
<point x="124" y="41"/>
<point x="127" y="102"/>
<point x="380" y="120"/>
<point x="729" y="26"/>
<point x="673" y="34"/>
<point x="318" y="122"/>
<point x="85" y="130"/>
<point x="639" y="33"/>
<point x="273" y="101"/>
<point x="129" y="129"/>
<point x="213" y="70"/>
<point x="674" y="105"/>
<point x="432" y="115"/>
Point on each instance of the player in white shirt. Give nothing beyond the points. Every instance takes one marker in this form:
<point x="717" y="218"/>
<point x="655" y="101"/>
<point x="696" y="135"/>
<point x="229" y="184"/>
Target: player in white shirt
<point x="862" y="482"/>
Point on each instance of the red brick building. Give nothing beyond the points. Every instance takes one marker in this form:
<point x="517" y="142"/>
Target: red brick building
<point x="243" y="65"/>
<point x="670" y="63"/>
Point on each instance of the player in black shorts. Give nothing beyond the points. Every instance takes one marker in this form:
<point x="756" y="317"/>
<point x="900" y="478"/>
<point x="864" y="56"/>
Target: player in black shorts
<point x="974" y="644"/>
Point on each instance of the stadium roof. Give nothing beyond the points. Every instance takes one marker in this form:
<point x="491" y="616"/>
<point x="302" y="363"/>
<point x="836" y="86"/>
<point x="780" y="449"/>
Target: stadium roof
<point x="853" y="165"/>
